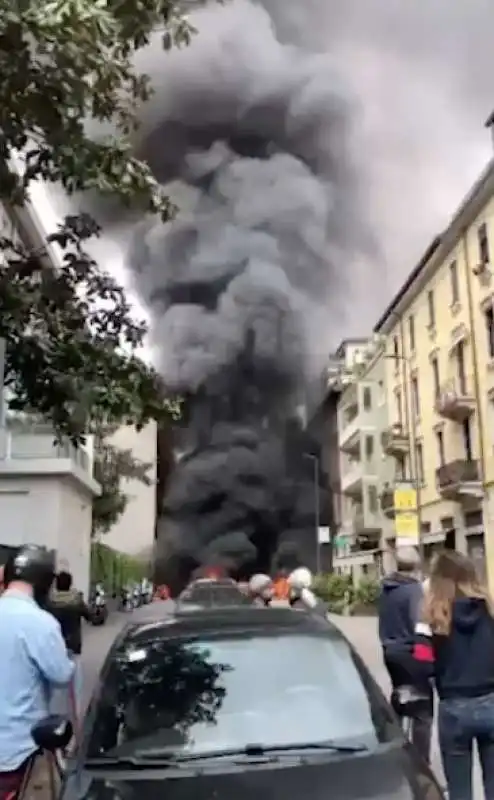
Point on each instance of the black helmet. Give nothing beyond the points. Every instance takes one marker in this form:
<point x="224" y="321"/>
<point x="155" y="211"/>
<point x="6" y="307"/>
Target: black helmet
<point x="32" y="564"/>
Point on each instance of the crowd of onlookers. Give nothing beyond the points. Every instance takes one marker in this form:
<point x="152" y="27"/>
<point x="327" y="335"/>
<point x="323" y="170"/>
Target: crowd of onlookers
<point x="437" y="638"/>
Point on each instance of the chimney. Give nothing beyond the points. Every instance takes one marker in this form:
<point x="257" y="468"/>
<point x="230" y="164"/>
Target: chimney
<point x="490" y="124"/>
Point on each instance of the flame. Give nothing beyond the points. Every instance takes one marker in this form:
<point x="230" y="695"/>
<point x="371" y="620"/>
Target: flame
<point x="214" y="573"/>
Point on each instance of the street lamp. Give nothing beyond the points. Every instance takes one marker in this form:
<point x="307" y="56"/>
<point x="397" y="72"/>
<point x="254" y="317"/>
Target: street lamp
<point x="317" y="513"/>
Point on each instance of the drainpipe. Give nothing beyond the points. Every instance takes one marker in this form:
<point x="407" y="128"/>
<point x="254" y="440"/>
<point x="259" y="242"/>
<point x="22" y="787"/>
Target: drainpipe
<point x="487" y="516"/>
<point x="411" y="422"/>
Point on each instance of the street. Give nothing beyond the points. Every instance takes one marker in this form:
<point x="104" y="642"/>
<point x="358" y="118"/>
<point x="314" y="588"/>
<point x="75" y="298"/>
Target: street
<point x="362" y="632"/>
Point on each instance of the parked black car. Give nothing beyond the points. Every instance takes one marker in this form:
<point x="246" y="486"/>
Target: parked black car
<point x="246" y="702"/>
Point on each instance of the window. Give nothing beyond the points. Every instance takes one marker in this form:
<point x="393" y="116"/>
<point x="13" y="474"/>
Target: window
<point x="415" y="397"/>
<point x="396" y="353"/>
<point x="483" y="240"/>
<point x="367" y="398"/>
<point x="467" y="439"/>
<point x="228" y="690"/>
<point x="399" y="409"/>
<point x="436" y="382"/>
<point x="440" y="447"/>
<point x="460" y="362"/>
<point x="432" y="310"/>
<point x="372" y="498"/>
<point x="369" y="447"/>
<point x="420" y="462"/>
<point x="401" y="470"/>
<point x="411" y="332"/>
<point x="489" y="325"/>
<point x="453" y="276"/>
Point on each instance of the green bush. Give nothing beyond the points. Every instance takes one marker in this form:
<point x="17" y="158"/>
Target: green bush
<point x="367" y="591"/>
<point x="336" y="590"/>
<point x="114" y="569"/>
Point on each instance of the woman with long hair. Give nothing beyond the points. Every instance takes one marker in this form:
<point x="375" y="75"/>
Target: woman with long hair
<point x="455" y="646"/>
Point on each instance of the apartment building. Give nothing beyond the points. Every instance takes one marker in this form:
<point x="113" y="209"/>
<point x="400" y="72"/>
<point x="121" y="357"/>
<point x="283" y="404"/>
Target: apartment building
<point x="439" y="337"/>
<point x="46" y="487"/>
<point x="364" y="472"/>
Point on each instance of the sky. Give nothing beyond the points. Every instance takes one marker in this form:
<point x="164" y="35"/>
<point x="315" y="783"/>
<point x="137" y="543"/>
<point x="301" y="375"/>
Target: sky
<point x="421" y="77"/>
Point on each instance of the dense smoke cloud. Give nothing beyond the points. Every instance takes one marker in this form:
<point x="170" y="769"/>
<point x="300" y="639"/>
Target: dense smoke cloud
<point x="256" y="127"/>
<point x="255" y="135"/>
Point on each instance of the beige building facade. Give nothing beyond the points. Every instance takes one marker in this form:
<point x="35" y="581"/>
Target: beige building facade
<point x="438" y="334"/>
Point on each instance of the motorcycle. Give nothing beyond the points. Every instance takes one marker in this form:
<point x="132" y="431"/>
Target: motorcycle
<point x="99" y="610"/>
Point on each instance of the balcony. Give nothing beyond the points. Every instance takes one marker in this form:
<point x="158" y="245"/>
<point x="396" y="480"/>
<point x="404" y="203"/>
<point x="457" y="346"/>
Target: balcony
<point x="388" y="502"/>
<point x="456" y="400"/>
<point x="33" y="452"/>
<point x="366" y="527"/>
<point x="459" y="480"/>
<point x="352" y="479"/>
<point x="349" y="436"/>
<point x="395" y="441"/>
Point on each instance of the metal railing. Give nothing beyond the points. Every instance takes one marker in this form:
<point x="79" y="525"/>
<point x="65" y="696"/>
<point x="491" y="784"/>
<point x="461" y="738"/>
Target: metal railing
<point x="459" y="471"/>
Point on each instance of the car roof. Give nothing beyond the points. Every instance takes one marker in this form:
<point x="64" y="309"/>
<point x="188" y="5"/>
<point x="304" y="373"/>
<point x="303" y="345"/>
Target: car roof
<point x="229" y="620"/>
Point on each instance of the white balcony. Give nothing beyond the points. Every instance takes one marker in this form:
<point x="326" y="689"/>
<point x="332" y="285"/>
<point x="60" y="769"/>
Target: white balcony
<point x="349" y="436"/>
<point x="352" y="479"/>
<point x="34" y="452"/>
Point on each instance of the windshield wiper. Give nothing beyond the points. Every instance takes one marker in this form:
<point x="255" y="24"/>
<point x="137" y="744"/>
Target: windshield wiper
<point x="253" y="751"/>
<point x="132" y="762"/>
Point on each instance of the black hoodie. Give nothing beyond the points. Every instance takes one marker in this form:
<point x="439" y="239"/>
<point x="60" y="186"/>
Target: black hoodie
<point x="462" y="662"/>
<point x="69" y="609"/>
<point x="399" y="608"/>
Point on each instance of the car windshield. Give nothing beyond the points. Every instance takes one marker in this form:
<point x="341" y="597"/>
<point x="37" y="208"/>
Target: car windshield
<point x="202" y="696"/>
<point x="214" y="595"/>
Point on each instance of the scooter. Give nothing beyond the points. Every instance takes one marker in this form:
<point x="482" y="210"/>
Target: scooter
<point x="99" y="610"/>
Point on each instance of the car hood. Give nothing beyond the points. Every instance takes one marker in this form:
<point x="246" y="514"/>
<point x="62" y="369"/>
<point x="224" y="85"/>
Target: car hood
<point x="392" y="774"/>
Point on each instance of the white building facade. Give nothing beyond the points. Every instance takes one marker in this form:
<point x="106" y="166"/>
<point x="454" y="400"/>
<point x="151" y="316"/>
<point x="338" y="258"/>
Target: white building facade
<point x="365" y="469"/>
<point x="134" y="532"/>
<point x="46" y="487"/>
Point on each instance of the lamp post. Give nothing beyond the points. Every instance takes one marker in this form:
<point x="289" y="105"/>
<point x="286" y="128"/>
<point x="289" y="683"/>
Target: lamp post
<point x="317" y="512"/>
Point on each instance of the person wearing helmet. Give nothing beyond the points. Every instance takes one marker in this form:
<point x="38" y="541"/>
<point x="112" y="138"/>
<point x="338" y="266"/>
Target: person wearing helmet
<point x="261" y="589"/>
<point x="301" y="595"/>
<point x="34" y="659"/>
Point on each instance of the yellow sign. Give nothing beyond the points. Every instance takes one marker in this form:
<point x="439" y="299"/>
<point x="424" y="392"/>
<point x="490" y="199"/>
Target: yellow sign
<point x="405" y="498"/>
<point x="407" y="529"/>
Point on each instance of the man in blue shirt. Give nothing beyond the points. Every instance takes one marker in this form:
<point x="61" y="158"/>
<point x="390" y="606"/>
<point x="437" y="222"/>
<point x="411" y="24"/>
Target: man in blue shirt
<point x="33" y="660"/>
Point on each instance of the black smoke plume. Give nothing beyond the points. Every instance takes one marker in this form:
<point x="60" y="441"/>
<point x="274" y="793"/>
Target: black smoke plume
<point x="244" y="286"/>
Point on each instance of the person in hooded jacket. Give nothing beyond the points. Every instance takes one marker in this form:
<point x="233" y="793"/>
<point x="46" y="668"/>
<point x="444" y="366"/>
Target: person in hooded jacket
<point x="399" y="609"/>
<point x="455" y="646"/>
<point x="68" y="607"/>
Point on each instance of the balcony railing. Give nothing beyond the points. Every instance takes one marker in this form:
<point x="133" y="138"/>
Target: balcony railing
<point x="388" y="502"/>
<point x="456" y="399"/>
<point x="395" y="441"/>
<point x="459" y="478"/>
<point x="25" y="446"/>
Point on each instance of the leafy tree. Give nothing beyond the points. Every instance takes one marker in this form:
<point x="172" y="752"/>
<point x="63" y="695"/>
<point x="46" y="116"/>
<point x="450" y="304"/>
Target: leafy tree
<point x="71" y="342"/>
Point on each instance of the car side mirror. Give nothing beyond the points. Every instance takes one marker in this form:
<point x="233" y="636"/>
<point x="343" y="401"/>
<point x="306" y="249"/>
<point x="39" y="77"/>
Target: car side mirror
<point x="52" y="733"/>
